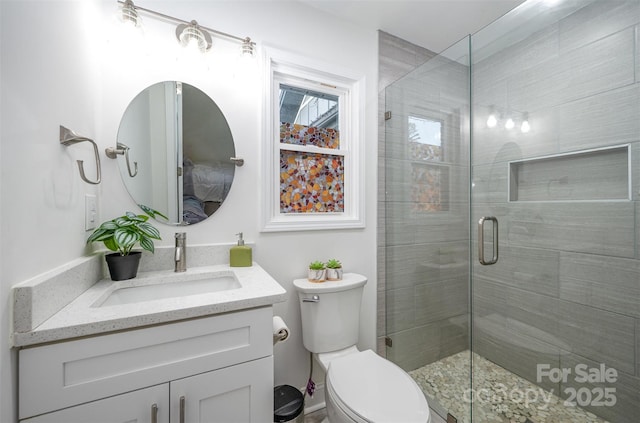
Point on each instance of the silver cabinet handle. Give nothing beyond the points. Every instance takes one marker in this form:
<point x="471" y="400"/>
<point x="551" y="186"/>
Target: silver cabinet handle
<point x="313" y="299"/>
<point x="154" y="413"/>
<point x="494" y="258"/>
<point x="182" y="409"/>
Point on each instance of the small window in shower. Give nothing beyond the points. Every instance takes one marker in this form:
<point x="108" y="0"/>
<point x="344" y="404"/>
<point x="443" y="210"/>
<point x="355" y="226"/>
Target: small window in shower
<point x="429" y="181"/>
<point x="425" y="139"/>
<point x="429" y="187"/>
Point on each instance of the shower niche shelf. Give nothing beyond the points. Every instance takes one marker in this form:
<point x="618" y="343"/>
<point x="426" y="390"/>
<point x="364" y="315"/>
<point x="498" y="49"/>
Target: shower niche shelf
<point x="589" y="175"/>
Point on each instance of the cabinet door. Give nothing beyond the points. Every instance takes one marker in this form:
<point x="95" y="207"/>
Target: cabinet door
<point x="241" y="393"/>
<point x="134" y="407"/>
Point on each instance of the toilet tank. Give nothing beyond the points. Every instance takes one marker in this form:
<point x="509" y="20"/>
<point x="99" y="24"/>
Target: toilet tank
<point x="330" y="312"/>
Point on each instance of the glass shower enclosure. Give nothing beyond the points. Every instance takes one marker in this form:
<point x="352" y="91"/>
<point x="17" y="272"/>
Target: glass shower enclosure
<point x="512" y="267"/>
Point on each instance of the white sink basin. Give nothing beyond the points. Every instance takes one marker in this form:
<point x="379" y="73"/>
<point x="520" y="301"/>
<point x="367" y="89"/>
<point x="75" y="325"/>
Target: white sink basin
<point x="200" y="284"/>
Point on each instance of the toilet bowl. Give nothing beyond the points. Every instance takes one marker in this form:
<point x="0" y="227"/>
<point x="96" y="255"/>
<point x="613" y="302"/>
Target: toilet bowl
<point x="364" y="387"/>
<point x="360" y="386"/>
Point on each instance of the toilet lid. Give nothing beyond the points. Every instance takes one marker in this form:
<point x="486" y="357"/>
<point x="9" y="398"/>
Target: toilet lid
<point x="376" y="390"/>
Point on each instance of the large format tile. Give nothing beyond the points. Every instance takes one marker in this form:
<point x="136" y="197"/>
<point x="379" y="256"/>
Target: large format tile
<point x="415" y="347"/>
<point x="608" y="118"/>
<point x="603" y="65"/>
<point x="530" y="269"/>
<point x="400" y="309"/>
<point x="398" y="57"/>
<point x="637" y="347"/>
<point x="595" y="21"/>
<point x="441" y="300"/>
<point x="605" y="228"/>
<point x="622" y="402"/>
<point x="517" y="353"/>
<point x="602" y="282"/>
<point x="598" y="335"/>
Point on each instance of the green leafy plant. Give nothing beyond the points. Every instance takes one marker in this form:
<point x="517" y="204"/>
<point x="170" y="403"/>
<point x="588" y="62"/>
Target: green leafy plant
<point x="316" y="265"/>
<point x="152" y="212"/>
<point x="123" y="233"/>
<point x="333" y="264"/>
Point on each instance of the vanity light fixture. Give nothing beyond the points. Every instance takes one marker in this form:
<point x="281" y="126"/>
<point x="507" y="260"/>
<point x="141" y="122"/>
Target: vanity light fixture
<point x="189" y="33"/>
<point x="129" y="15"/>
<point x="191" y="36"/>
<point x="247" y="48"/>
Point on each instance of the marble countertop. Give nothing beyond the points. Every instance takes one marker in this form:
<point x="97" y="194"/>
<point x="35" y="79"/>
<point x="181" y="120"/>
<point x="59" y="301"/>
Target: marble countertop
<point x="83" y="316"/>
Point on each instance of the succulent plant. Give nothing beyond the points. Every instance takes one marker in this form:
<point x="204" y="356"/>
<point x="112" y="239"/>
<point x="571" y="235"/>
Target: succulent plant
<point x="316" y="265"/>
<point x="333" y="264"/>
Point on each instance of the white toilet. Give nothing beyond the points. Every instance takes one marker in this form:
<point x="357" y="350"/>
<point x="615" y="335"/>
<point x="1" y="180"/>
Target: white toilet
<point x="360" y="386"/>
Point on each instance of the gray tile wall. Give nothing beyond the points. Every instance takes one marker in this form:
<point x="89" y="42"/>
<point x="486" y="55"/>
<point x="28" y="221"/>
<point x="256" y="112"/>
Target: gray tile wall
<point x="423" y="257"/>
<point x="566" y="290"/>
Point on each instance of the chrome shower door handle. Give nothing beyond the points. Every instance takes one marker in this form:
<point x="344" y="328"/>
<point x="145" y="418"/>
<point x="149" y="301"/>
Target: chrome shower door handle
<point x="494" y="258"/>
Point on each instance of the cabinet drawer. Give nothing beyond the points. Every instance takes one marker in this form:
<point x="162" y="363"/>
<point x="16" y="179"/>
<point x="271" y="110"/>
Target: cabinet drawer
<point x="136" y="406"/>
<point x="69" y="373"/>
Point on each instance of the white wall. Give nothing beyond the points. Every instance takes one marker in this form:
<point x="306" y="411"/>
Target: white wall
<point x="61" y="71"/>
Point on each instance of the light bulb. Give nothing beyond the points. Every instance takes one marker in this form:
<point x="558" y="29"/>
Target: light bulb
<point x="246" y="49"/>
<point x="525" y="127"/>
<point x="492" y="121"/>
<point x="509" y="124"/>
<point x="193" y="38"/>
<point x="129" y="15"/>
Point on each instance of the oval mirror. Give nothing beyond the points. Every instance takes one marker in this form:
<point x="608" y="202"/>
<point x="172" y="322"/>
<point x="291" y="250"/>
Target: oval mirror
<point x="174" y="150"/>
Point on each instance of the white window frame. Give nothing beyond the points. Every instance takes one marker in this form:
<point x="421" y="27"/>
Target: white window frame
<point x="300" y="71"/>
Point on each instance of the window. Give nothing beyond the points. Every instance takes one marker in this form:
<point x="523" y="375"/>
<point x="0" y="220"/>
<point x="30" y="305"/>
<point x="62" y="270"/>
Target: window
<point x="313" y="145"/>
<point x="429" y="179"/>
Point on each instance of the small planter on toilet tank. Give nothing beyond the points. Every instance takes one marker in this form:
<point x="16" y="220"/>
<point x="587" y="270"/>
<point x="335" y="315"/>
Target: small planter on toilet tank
<point x="317" y="272"/>
<point x="334" y="270"/>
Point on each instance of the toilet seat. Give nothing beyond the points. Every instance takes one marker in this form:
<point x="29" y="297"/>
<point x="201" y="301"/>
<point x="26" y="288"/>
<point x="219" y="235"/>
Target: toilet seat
<point x="368" y="388"/>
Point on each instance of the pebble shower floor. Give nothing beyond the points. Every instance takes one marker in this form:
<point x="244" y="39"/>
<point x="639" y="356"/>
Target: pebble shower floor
<point x="446" y="381"/>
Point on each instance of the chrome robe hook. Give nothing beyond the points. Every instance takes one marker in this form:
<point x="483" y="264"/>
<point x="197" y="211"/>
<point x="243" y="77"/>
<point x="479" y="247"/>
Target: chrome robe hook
<point x="67" y="138"/>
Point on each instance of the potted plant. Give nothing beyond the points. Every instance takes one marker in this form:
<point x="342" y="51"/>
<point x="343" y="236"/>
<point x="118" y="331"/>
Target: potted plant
<point x="317" y="271"/>
<point x="334" y="270"/>
<point x="121" y="235"/>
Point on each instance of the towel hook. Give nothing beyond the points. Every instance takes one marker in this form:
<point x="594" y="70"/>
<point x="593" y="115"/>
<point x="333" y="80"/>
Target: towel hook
<point x="122" y="149"/>
<point x="67" y="138"/>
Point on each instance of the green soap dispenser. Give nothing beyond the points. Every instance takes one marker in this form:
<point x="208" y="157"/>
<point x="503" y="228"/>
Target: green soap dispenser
<point x="240" y="255"/>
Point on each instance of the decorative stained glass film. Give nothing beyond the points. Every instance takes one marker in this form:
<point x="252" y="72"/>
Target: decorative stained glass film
<point x="311" y="183"/>
<point x="429" y="187"/>
<point x="425" y="139"/>
<point x="294" y="133"/>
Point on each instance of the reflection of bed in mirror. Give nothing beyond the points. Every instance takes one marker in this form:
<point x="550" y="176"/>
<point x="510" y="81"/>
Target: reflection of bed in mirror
<point x="205" y="186"/>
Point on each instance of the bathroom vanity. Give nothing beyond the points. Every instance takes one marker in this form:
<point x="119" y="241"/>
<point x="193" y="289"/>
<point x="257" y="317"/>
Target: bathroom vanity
<point x="203" y="352"/>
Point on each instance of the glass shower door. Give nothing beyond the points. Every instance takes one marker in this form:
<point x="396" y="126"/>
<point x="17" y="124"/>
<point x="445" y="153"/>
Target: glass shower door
<point x="426" y="228"/>
<point x="555" y="141"/>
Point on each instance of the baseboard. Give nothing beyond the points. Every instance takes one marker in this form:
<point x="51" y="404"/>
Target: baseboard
<point x="316" y="402"/>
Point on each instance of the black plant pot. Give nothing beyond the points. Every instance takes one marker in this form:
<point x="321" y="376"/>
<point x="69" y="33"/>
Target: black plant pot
<point x="123" y="267"/>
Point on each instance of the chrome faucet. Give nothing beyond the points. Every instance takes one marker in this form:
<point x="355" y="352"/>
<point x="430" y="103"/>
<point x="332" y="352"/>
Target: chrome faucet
<point x="181" y="252"/>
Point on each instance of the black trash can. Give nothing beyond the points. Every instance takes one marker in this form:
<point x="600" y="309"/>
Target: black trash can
<point x="288" y="404"/>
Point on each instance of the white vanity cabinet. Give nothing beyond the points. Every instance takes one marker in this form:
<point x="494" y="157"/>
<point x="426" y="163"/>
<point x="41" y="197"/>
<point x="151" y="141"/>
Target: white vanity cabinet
<point x="210" y="369"/>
